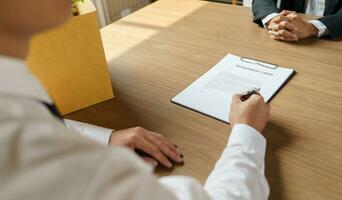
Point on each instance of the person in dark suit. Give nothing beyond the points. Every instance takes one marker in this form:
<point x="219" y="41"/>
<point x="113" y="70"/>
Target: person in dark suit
<point x="283" y="23"/>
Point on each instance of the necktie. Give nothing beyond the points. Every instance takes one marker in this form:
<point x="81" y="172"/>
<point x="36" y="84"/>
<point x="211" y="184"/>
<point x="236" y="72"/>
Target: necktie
<point x="54" y="110"/>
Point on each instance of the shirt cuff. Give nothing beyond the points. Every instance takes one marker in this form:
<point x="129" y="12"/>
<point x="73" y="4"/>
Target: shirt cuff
<point x="245" y="137"/>
<point x="322" y="29"/>
<point x="97" y="133"/>
<point x="268" y="18"/>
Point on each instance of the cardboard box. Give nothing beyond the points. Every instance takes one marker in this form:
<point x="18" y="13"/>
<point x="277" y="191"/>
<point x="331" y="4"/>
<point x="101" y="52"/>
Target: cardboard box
<point x="70" y="62"/>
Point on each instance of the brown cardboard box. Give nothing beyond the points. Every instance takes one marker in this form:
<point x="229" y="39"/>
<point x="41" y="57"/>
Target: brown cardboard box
<point x="70" y="62"/>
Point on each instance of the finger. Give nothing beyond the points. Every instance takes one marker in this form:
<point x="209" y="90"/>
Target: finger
<point x="173" y="146"/>
<point x="288" y="34"/>
<point x="164" y="148"/>
<point x="150" y="161"/>
<point x="274" y="33"/>
<point x="257" y="92"/>
<point x="268" y="109"/>
<point x="256" y="98"/>
<point x="170" y="144"/>
<point x="287" y="25"/>
<point x="293" y="16"/>
<point x="273" y="26"/>
<point x="148" y="147"/>
<point x="237" y="98"/>
<point x="282" y="38"/>
<point x="281" y="18"/>
<point x="286" y="12"/>
<point x="283" y="33"/>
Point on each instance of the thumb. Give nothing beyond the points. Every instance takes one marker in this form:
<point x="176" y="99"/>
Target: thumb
<point x="286" y="12"/>
<point x="237" y="98"/>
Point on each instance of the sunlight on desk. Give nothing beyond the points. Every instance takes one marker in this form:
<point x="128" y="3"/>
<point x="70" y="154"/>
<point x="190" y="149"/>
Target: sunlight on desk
<point x="142" y="25"/>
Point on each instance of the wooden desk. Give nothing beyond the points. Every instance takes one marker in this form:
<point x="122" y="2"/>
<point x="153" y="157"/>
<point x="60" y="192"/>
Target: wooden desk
<point x="156" y="52"/>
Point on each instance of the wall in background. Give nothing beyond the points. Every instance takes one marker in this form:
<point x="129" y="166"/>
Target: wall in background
<point x="111" y="10"/>
<point x="239" y="2"/>
<point x="247" y="3"/>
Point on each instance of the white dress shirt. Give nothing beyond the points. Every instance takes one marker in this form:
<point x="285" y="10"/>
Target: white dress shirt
<point x="40" y="159"/>
<point x="27" y="85"/>
<point x="97" y="133"/>
<point x="313" y="7"/>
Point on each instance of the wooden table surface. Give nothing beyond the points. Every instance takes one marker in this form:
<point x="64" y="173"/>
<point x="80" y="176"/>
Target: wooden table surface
<point x="156" y="52"/>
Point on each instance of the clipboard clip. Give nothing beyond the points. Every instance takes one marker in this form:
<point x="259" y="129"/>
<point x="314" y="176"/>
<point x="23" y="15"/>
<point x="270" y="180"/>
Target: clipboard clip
<point x="260" y="63"/>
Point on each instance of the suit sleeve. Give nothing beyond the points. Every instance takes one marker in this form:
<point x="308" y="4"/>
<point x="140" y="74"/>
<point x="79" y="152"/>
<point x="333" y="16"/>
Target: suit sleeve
<point x="262" y="8"/>
<point x="333" y="23"/>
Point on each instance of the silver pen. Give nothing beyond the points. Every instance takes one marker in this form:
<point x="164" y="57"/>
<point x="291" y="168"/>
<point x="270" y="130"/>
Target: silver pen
<point x="249" y="93"/>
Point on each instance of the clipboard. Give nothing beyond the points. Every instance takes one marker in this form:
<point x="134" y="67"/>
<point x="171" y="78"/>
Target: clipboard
<point x="211" y="94"/>
<point x="270" y="66"/>
<point x="260" y="63"/>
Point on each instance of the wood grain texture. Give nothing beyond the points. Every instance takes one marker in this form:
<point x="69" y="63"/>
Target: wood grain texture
<point x="156" y="52"/>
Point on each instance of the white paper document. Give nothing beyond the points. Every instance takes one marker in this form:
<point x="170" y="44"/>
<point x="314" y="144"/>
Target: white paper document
<point x="212" y="93"/>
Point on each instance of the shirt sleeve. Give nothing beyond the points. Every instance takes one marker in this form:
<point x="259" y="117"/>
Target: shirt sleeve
<point x="268" y="18"/>
<point x="71" y="167"/>
<point x="93" y="132"/>
<point x="322" y="29"/>
<point x="238" y="174"/>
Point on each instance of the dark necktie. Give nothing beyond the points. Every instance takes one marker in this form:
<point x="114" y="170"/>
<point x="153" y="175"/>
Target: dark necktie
<point x="295" y="5"/>
<point x="54" y="110"/>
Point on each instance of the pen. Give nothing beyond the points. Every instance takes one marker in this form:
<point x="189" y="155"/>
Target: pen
<point x="249" y="93"/>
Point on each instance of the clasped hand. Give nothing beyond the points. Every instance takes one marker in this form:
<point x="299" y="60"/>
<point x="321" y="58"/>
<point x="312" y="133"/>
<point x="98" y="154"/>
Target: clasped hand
<point x="289" y="26"/>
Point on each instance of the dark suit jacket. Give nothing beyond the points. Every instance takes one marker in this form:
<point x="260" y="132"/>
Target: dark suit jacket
<point x="332" y="14"/>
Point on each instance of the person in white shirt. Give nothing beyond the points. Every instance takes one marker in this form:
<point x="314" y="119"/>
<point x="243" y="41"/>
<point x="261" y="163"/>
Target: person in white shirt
<point x="287" y="25"/>
<point x="41" y="159"/>
<point x="161" y="149"/>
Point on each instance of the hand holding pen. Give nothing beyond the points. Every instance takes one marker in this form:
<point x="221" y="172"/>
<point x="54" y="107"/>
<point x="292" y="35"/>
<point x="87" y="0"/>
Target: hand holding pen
<point x="249" y="109"/>
<point x="249" y="93"/>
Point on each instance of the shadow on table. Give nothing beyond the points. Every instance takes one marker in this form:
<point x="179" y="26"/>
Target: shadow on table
<point x="277" y="138"/>
<point x="111" y="114"/>
<point x="313" y="41"/>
